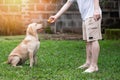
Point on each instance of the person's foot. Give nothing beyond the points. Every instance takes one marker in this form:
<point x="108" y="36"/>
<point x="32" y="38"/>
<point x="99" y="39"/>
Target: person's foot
<point x="91" y="69"/>
<point x="86" y="65"/>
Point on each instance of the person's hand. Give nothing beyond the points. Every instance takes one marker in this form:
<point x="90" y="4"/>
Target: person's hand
<point x="96" y="15"/>
<point x="52" y="19"/>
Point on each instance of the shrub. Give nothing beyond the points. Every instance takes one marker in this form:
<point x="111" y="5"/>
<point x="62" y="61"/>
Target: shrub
<point x="11" y="25"/>
<point x="48" y="30"/>
<point x="112" y="34"/>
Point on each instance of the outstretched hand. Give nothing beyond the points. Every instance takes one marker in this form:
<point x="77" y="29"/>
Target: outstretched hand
<point x="52" y="19"/>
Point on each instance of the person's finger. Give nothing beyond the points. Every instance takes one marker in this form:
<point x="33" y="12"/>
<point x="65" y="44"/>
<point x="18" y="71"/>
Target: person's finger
<point x="96" y="17"/>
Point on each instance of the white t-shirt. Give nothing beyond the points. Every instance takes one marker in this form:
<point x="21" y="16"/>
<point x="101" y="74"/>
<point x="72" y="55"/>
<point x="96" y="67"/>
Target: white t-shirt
<point x="86" y="8"/>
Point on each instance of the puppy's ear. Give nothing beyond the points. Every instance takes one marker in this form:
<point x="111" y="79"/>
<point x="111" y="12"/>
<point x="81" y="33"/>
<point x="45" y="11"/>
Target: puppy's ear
<point x="30" y="31"/>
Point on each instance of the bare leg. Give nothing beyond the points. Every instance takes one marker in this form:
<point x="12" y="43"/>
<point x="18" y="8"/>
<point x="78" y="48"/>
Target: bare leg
<point x="88" y="53"/>
<point x="88" y="56"/>
<point x="95" y="53"/>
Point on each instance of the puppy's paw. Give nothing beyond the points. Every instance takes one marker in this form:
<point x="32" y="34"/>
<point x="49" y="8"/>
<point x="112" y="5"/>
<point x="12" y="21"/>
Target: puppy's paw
<point x="19" y="66"/>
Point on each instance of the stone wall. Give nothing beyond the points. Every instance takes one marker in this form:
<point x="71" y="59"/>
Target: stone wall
<point x="40" y="10"/>
<point x="110" y="12"/>
<point x="70" y="21"/>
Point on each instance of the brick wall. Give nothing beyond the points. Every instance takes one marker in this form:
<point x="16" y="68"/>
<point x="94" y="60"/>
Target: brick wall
<point x="40" y="10"/>
<point x="10" y="7"/>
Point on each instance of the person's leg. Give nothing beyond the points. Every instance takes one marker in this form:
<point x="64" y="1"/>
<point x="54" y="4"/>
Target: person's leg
<point x="94" y="59"/>
<point x="88" y="56"/>
<point x="92" y="33"/>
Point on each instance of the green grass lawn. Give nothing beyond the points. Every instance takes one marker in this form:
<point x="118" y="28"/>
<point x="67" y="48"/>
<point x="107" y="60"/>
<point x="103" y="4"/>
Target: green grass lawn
<point x="58" y="60"/>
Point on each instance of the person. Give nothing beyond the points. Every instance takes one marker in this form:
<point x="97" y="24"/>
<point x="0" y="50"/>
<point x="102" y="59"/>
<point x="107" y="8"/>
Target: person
<point x="91" y="25"/>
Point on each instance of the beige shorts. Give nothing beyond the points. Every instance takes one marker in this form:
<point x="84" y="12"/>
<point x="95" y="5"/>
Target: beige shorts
<point x="91" y="29"/>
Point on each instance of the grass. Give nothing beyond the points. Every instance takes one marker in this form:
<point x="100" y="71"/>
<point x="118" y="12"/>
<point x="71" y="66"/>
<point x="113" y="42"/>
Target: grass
<point x="58" y="60"/>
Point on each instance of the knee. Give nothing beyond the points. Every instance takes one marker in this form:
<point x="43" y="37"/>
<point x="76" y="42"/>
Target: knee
<point x="88" y="43"/>
<point x="95" y="42"/>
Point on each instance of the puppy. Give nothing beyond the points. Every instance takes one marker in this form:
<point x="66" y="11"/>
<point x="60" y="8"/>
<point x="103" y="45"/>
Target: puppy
<point x="27" y="49"/>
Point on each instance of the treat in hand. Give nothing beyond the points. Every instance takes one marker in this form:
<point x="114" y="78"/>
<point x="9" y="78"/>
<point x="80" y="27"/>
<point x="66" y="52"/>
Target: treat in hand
<point x="50" y="20"/>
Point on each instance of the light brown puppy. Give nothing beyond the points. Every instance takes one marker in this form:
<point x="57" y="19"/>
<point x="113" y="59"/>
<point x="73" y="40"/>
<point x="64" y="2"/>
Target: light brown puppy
<point x="27" y="48"/>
